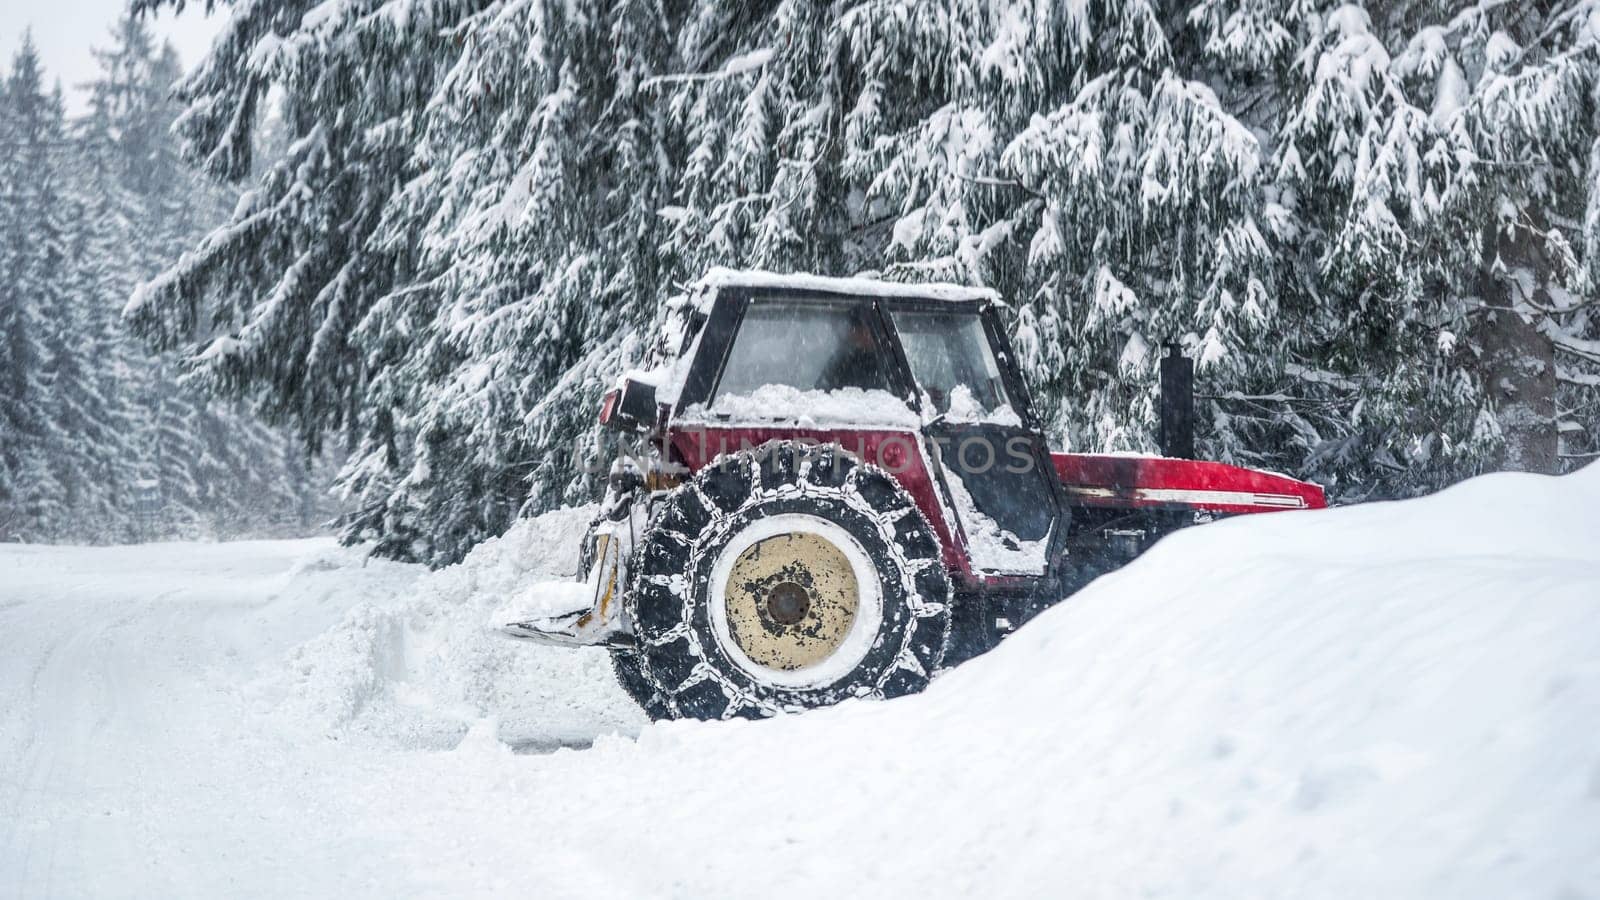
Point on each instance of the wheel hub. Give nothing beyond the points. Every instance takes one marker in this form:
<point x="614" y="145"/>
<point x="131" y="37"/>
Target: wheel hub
<point x="791" y="600"/>
<point x="788" y="603"/>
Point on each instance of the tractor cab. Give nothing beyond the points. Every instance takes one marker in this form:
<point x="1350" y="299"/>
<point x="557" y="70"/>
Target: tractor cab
<point x="919" y="383"/>
<point x="845" y="491"/>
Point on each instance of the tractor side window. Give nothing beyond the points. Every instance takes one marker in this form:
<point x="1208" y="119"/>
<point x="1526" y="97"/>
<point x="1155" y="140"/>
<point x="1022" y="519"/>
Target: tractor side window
<point x="952" y="362"/>
<point x="809" y="346"/>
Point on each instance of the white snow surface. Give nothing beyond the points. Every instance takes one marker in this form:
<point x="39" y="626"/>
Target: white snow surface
<point x="545" y="600"/>
<point x="1391" y="700"/>
<point x="786" y="403"/>
<point x="720" y="277"/>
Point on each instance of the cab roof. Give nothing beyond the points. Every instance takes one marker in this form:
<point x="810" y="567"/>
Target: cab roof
<point x="706" y="289"/>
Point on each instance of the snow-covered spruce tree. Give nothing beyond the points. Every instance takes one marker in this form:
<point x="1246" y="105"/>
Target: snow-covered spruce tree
<point x="32" y="253"/>
<point x="66" y="419"/>
<point x="88" y="209"/>
<point x="221" y="471"/>
<point x="102" y="273"/>
<point x="457" y="330"/>
<point x="93" y="460"/>
<point x="1436" y="164"/>
<point x="1531" y="116"/>
<point x="1078" y="157"/>
<point x="274" y="297"/>
<point x="21" y="348"/>
<point x="528" y="229"/>
<point x="1162" y="142"/>
<point x="481" y="206"/>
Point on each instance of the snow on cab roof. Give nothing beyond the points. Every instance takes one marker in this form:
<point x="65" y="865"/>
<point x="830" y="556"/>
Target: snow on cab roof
<point x="721" y="277"/>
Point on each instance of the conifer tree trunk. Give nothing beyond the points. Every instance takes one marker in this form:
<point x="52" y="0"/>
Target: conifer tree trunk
<point x="1517" y="361"/>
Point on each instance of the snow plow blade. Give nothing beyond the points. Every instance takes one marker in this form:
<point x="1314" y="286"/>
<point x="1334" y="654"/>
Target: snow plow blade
<point x="571" y="613"/>
<point x="557" y="635"/>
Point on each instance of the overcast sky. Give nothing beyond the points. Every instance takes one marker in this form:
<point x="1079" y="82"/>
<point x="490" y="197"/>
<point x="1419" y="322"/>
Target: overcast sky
<point x="65" y="30"/>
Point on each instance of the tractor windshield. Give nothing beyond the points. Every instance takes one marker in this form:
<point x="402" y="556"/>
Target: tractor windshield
<point x="954" y="366"/>
<point x="806" y="345"/>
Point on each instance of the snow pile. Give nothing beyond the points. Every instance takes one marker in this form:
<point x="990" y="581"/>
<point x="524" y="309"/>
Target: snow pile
<point x="546" y="600"/>
<point x="422" y="669"/>
<point x="806" y="408"/>
<point x="719" y="278"/>
<point x="964" y="407"/>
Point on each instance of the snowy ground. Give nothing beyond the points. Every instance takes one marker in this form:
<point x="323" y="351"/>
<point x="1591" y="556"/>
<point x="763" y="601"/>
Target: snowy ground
<point x="1395" y="700"/>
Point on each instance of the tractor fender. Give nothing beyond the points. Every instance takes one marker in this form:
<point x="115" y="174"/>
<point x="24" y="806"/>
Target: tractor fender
<point x="1160" y="482"/>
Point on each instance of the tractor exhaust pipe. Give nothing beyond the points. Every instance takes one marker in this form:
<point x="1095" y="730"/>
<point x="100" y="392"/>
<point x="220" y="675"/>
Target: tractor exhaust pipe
<point x="1177" y="404"/>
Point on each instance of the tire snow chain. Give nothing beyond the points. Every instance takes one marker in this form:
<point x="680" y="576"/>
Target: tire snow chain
<point x="679" y="584"/>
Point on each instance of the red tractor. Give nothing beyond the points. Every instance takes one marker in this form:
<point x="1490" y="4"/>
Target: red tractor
<point x="840" y="488"/>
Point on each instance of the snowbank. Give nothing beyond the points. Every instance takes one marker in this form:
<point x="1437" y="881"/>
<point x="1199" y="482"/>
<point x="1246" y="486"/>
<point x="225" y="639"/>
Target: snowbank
<point x="420" y="670"/>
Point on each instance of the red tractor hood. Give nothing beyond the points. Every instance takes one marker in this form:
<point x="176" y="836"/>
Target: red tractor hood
<point x="1135" y="482"/>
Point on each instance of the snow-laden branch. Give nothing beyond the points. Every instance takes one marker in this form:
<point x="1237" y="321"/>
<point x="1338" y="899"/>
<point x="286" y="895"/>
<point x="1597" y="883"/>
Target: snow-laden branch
<point x="740" y="65"/>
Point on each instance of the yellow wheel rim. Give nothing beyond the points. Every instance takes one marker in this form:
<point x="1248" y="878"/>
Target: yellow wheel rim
<point x="791" y="600"/>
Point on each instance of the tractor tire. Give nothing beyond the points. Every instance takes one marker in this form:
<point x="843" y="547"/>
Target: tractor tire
<point x="781" y="579"/>
<point x="628" y="666"/>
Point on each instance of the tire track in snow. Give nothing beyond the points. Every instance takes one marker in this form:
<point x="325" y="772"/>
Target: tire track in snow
<point x="114" y="685"/>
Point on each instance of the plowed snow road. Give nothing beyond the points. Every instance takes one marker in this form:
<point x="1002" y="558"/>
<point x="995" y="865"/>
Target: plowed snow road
<point x="121" y="690"/>
<point x="161" y="735"/>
